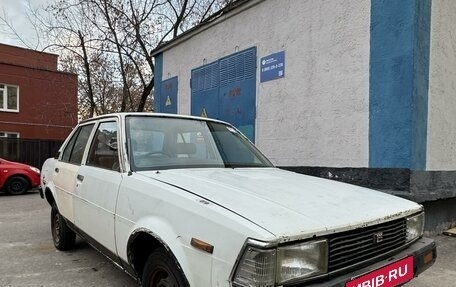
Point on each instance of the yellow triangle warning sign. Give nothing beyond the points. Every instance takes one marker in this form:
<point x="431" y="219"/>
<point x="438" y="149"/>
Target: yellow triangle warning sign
<point x="168" y="101"/>
<point x="204" y="113"/>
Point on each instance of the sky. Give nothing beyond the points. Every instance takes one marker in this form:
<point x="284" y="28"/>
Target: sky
<point x="16" y="12"/>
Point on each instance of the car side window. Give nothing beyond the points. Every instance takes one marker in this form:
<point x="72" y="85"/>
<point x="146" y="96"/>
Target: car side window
<point x="74" y="150"/>
<point x="103" y="151"/>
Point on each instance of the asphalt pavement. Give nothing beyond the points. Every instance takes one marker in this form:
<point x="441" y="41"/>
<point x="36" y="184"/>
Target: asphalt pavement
<point x="28" y="257"/>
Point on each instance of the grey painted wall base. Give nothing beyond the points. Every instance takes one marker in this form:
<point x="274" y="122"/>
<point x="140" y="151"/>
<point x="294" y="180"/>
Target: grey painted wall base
<point x="440" y="215"/>
<point x="436" y="190"/>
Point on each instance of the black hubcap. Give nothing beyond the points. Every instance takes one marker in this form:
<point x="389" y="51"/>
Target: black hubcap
<point x="17" y="186"/>
<point x="162" y="278"/>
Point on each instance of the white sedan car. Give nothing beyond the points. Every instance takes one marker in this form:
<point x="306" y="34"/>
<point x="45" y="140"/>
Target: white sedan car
<point x="187" y="201"/>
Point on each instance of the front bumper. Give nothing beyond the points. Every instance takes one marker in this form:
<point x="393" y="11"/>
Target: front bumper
<point x="35" y="180"/>
<point x="424" y="253"/>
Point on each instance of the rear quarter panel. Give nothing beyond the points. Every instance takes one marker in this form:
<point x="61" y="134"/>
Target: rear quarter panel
<point x="46" y="177"/>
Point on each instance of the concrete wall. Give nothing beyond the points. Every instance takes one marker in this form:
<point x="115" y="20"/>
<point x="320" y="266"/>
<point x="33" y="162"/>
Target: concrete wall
<point x="368" y="97"/>
<point x="441" y="141"/>
<point x="318" y="115"/>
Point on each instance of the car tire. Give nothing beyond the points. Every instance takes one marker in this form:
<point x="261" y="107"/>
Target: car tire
<point x="17" y="185"/>
<point x="160" y="270"/>
<point x="63" y="237"/>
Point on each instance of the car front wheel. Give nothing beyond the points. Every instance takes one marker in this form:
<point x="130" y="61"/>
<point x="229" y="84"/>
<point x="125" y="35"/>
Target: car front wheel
<point x="64" y="238"/>
<point x="161" y="271"/>
<point x="17" y="185"/>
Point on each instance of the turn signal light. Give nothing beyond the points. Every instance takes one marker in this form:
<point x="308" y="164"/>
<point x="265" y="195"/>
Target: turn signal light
<point x="428" y="257"/>
<point x="199" y="244"/>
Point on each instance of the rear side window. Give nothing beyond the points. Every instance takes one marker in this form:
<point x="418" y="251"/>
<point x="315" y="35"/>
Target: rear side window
<point x="74" y="150"/>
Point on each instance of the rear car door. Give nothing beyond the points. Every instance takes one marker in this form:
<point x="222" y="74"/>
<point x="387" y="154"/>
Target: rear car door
<point x="67" y="167"/>
<point x="98" y="181"/>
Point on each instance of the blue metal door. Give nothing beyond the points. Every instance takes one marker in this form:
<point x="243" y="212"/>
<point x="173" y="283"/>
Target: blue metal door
<point x="226" y="90"/>
<point x="237" y="93"/>
<point x="168" y="96"/>
<point x="205" y="89"/>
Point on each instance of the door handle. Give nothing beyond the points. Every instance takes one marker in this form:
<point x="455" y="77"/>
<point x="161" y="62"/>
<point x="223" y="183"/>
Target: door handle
<point x="80" y="177"/>
<point x="56" y="170"/>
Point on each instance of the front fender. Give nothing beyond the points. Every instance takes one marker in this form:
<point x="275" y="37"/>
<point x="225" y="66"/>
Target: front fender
<point x="195" y="264"/>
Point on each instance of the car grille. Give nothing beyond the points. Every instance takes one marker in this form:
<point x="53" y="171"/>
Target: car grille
<point x="355" y="246"/>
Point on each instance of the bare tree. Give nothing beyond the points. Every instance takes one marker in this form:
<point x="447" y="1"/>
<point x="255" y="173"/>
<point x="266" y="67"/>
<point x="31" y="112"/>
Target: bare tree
<point x="72" y="36"/>
<point x="108" y="44"/>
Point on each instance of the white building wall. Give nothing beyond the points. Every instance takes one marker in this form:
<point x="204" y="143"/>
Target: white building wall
<point x="441" y="143"/>
<point x="318" y="115"/>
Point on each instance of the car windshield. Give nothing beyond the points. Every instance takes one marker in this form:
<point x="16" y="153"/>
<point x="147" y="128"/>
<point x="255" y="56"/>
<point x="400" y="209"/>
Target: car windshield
<point x="167" y="143"/>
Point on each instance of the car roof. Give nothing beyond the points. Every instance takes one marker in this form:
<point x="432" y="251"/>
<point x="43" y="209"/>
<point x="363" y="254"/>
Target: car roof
<point x="150" y="114"/>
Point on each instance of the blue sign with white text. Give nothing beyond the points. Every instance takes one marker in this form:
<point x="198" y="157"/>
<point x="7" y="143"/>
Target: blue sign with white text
<point x="272" y="67"/>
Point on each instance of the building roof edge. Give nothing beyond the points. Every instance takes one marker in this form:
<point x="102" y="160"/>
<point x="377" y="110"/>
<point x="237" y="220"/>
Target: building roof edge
<point x="30" y="50"/>
<point x="219" y="16"/>
<point x="38" y="69"/>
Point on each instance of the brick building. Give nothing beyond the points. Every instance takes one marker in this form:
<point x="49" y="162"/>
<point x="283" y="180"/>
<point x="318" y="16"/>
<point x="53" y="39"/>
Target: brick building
<point x="36" y="100"/>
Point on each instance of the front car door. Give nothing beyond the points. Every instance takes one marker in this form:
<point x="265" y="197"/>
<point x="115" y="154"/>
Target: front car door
<point x="67" y="167"/>
<point x="98" y="181"/>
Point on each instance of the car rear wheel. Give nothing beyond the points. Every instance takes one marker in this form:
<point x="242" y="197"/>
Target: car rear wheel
<point x="17" y="185"/>
<point x="64" y="238"/>
<point x="161" y="271"/>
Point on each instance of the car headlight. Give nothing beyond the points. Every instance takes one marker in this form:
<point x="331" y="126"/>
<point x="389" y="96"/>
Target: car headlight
<point x="415" y="226"/>
<point x="256" y="268"/>
<point x="301" y="261"/>
<point x="34" y="169"/>
<point x="265" y="265"/>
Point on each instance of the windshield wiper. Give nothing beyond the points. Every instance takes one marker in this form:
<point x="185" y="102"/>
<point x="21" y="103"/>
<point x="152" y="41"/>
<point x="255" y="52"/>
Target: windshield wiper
<point x="240" y="165"/>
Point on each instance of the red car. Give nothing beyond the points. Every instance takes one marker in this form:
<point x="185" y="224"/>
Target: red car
<point x="17" y="178"/>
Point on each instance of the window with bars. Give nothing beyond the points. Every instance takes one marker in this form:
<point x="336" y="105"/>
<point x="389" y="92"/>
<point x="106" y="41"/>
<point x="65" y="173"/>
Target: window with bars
<point x="9" y="98"/>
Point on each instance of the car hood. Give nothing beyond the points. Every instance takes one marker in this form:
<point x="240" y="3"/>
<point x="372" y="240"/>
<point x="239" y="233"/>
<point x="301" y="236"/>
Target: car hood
<point x="291" y="206"/>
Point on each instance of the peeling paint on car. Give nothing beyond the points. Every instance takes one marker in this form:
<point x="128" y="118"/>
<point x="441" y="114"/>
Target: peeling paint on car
<point x="235" y="208"/>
